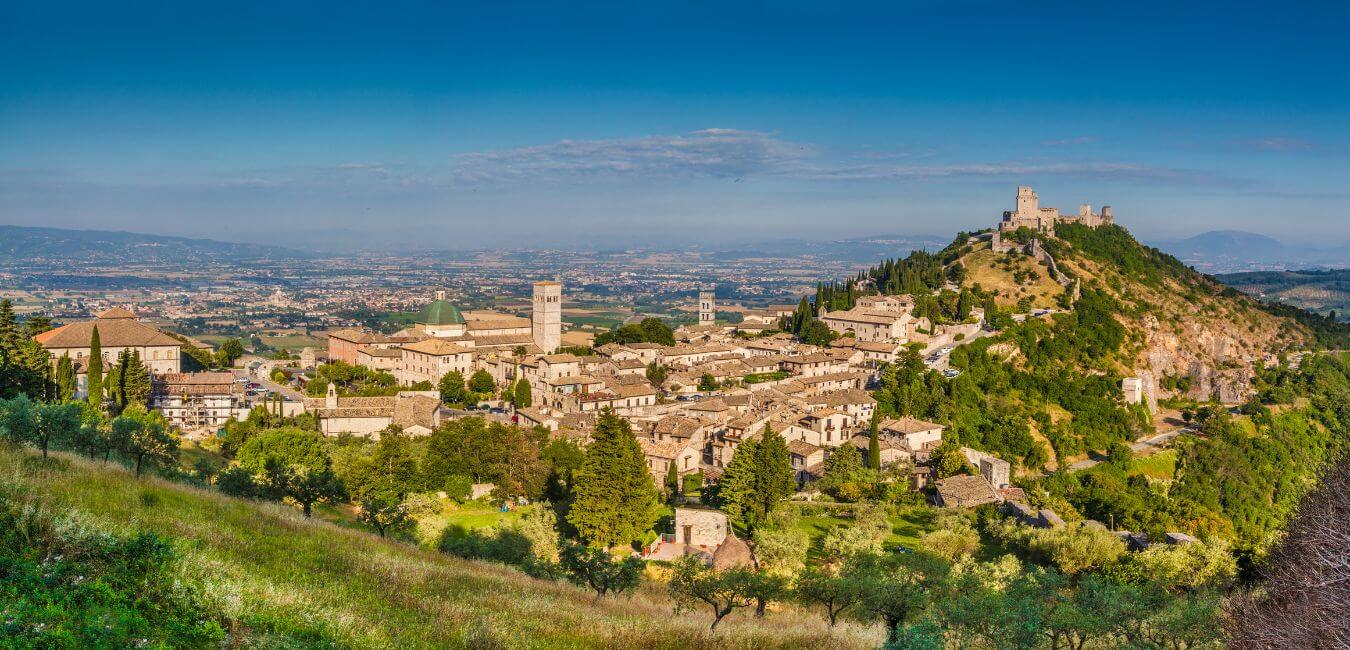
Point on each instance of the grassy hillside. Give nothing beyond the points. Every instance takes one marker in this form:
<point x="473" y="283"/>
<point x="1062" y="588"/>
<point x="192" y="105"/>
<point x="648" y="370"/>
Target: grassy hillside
<point x="1012" y="278"/>
<point x="276" y="578"/>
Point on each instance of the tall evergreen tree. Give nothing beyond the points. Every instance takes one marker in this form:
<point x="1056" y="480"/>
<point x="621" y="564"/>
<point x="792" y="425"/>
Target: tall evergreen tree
<point x="672" y="481"/>
<point x="94" y="383"/>
<point x="65" y="379"/>
<point x="25" y="367"/>
<point x="523" y="397"/>
<point x="773" y="473"/>
<point x="615" y="499"/>
<point x="757" y="478"/>
<point x="874" y="442"/>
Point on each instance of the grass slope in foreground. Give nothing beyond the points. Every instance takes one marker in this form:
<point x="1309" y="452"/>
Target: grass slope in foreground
<point x="280" y="579"/>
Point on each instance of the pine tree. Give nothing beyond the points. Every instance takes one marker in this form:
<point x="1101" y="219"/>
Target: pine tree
<point x="615" y="499"/>
<point x="65" y="379"/>
<point x="95" y="371"/>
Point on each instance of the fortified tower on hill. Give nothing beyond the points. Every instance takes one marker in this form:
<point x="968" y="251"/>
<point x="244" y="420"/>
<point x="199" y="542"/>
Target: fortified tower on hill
<point x="707" y="307"/>
<point x="546" y="317"/>
<point x="1030" y="214"/>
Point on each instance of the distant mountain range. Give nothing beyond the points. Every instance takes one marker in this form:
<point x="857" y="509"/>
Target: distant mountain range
<point x="19" y="243"/>
<point x="1223" y="251"/>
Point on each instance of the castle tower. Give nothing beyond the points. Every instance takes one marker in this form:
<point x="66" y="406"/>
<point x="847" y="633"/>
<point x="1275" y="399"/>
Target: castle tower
<point x="707" y="307"/>
<point x="1028" y="204"/>
<point x="546" y="317"/>
<point x="1106" y="214"/>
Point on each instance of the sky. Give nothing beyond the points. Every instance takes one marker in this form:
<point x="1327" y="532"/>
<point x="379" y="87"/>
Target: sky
<point x="521" y="124"/>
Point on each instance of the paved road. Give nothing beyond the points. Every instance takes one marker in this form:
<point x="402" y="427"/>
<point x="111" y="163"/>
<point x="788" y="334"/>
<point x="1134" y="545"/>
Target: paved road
<point x="1145" y="447"/>
<point x="943" y="362"/>
<point x="286" y="391"/>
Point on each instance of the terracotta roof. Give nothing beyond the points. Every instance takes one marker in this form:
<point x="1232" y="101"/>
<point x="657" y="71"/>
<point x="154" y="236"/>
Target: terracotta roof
<point x="112" y="332"/>
<point x="908" y="424"/>
<point x="802" y="448"/>
<point x="966" y="491"/>
<point x="416" y="410"/>
<point x="117" y="312"/>
<point x="436" y="347"/>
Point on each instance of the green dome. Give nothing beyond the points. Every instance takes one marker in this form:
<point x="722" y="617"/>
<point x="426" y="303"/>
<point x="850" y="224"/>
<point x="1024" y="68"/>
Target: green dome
<point x="439" y="312"/>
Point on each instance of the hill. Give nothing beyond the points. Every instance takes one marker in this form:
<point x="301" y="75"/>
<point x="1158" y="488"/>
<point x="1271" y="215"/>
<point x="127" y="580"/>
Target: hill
<point x="1184" y="333"/>
<point x="270" y="577"/>
<point x="22" y="243"/>
<point x="1322" y="292"/>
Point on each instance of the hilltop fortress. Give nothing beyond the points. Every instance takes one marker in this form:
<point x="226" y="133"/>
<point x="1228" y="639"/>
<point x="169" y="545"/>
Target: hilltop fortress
<point x="1029" y="214"/>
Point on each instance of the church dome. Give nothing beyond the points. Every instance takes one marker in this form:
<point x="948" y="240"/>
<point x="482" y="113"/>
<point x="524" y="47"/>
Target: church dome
<point x="439" y="312"/>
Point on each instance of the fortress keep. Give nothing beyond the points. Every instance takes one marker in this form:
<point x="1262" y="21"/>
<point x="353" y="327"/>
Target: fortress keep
<point x="1029" y="214"/>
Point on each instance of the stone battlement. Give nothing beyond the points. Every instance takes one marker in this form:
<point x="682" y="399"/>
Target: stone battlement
<point x="1029" y="214"/>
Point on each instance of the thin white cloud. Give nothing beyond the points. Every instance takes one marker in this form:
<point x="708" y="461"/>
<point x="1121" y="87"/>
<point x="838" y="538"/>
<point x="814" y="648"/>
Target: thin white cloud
<point x="1273" y="145"/>
<point x="708" y="153"/>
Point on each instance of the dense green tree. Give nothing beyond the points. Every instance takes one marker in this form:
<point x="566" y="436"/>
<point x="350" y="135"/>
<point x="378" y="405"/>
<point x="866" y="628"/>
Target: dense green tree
<point x="290" y="446"/>
<point x="385" y="515"/>
<point x="523" y="398"/>
<point x="65" y="379"/>
<point x="482" y="383"/>
<point x="656" y="374"/>
<point x="693" y="584"/>
<point x="230" y="351"/>
<point x="452" y="388"/>
<point x="758" y="477"/>
<point x="825" y="587"/>
<point x="874" y="442"/>
<point x="24" y="364"/>
<point x="597" y="570"/>
<point x="144" y="438"/>
<point x="615" y="499"/>
<point x="672" y="481"/>
<point x="892" y="589"/>
<point x="128" y="381"/>
<point x="707" y="382"/>
<point x="37" y="325"/>
<point x="94" y="373"/>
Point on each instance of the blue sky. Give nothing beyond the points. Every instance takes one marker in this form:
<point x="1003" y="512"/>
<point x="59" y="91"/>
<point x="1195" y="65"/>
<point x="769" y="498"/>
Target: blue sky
<point x="515" y="123"/>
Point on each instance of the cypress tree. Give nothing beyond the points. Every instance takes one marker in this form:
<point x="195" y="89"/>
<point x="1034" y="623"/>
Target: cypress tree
<point x="615" y="498"/>
<point x="523" y="397"/>
<point x="874" y="443"/>
<point x="134" y="381"/>
<point x="95" y="380"/>
<point x="65" y="379"/>
<point x="672" y="481"/>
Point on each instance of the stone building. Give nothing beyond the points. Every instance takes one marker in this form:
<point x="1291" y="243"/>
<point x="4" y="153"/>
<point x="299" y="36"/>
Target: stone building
<point x="118" y="330"/>
<point x="700" y="527"/>
<point x="707" y="307"/>
<point x="1029" y="214"/>
<point x="198" y="400"/>
<point x="546" y="318"/>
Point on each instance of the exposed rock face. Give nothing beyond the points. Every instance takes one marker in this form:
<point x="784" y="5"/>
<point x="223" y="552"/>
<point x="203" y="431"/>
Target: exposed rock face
<point x="1217" y="362"/>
